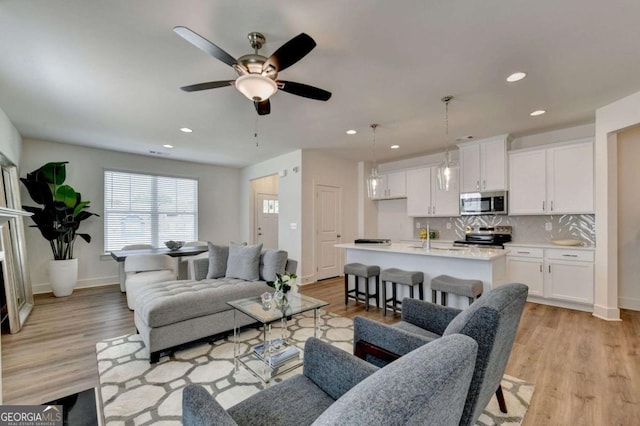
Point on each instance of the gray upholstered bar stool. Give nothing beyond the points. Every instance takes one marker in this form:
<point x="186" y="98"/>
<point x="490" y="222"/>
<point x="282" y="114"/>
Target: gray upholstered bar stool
<point x="446" y="284"/>
<point x="359" y="270"/>
<point x="397" y="276"/>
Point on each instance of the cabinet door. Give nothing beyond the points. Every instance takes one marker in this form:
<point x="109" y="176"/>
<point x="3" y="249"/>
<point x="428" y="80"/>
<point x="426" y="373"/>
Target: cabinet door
<point x="396" y="185"/>
<point x="419" y="192"/>
<point x="527" y="182"/>
<point x="570" y="281"/>
<point x="493" y="165"/>
<point x="470" y="168"/>
<point x="444" y="203"/>
<point x="526" y="271"/>
<point x="570" y="179"/>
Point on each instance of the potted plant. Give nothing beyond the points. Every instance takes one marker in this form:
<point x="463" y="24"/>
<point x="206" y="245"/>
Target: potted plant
<point x="58" y="220"/>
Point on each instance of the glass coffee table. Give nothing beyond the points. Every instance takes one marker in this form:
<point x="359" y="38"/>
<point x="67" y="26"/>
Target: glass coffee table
<point x="274" y="356"/>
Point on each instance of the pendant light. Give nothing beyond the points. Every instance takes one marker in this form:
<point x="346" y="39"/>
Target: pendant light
<point x="448" y="170"/>
<point x="374" y="181"/>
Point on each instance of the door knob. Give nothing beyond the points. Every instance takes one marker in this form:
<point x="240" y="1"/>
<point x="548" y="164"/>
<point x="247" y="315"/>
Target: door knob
<point x="259" y="233"/>
<point x="338" y="235"/>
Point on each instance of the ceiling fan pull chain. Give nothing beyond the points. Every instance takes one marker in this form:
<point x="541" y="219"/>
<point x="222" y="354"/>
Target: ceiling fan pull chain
<point x="255" y="133"/>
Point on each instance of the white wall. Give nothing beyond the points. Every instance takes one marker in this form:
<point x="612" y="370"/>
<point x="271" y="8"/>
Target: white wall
<point x="560" y="135"/>
<point x="289" y="196"/>
<point x="610" y="119"/>
<point x="10" y="140"/>
<point x="628" y="214"/>
<point x="218" y="203"/>
<point x="322" y="169"/>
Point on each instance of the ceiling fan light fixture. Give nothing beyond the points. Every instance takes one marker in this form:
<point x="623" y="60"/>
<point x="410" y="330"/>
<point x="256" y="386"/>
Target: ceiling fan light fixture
<point x="256" y="87"/>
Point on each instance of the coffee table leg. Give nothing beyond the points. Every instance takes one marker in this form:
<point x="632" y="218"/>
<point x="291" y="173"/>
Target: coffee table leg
<point x="267" y="354"/>
<point x="235" y="340"/>
<point x="316" y="327"/>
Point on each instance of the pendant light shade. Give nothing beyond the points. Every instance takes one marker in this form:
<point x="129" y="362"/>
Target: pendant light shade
<point x="374" y="181"/>
<point x="448" y="170"/>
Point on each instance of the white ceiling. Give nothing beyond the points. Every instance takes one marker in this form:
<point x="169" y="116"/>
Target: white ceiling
<point x="107" y="73"/>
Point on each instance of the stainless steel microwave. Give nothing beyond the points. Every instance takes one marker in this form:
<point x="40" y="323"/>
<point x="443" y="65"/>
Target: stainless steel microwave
<point x="477" y="203"/>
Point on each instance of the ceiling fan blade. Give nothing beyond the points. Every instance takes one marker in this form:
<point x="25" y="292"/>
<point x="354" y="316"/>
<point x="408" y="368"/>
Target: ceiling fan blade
<point x="202" y="43"/>
<point x="263" y="107"/>
<point x="208" y="85"/>
<point x="303" y="90"/>
<point x="290" y="52"/>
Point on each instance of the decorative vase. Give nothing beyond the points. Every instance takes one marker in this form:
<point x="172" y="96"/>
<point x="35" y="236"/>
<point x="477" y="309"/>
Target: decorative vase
<point x="63" y="276"/>
<point x="281" y="299"/>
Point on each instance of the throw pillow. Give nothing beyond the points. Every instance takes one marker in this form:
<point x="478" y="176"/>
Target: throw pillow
<point x="272" y="262"/>
<point x="218" y="257"/>
<point x="244" y="262"/>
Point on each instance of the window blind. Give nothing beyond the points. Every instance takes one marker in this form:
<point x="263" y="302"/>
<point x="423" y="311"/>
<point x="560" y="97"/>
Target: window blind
<point x="148" y="209"/>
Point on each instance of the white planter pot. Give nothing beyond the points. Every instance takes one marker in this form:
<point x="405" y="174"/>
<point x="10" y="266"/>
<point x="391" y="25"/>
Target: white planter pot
<point x="63" y="276"/>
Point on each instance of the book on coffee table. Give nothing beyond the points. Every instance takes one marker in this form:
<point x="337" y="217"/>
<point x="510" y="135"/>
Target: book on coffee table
<point x="280" y="356"/>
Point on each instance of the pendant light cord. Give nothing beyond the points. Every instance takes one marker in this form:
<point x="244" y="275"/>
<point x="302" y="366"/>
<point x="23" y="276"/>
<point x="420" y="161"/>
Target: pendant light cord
<point x="375" y="160"/>
<point x="446" y="100"/>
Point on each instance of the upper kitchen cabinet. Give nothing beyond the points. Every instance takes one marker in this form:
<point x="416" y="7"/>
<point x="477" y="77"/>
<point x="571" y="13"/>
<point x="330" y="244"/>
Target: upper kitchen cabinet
<point x="394" y="185"/>
<point x="557" y="179"/>
<point x="483" y="165"/>
<point x="424" y="198"/>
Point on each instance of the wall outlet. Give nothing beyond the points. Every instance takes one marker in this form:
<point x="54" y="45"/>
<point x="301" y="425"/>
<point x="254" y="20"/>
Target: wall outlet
<point x="418" y="225"/>
<point x="293" y="225"/>
<point x="548" y="226"/>
<point x="448" y="225"/>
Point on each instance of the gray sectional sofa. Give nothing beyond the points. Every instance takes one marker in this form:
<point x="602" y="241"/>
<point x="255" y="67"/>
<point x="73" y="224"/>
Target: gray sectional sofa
<point x="172" y="313"/>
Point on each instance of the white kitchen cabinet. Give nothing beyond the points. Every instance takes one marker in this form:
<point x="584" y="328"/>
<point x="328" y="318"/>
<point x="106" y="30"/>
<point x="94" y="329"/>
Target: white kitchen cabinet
<point x="552" y="180"/>
<point x="483" y="165"/>
<point x="525" y="265"/>
<point x="569" y="275"/>
<point x="424" y="198"/>
<point x="553" y="274"/>
<point x="394" y="185"/>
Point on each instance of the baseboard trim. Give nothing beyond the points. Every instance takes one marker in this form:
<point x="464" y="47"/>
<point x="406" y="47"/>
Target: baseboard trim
<point x="41" y="288"/>
<point x="605" y="313"/>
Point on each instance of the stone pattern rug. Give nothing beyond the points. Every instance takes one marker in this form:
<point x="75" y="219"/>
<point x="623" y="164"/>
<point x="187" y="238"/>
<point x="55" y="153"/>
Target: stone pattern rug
<point x="137" y="393"/>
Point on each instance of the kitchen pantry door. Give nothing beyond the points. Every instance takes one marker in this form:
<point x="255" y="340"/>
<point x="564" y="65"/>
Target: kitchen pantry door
<point x="328" y="227"/>
<point x="267" y="209"/>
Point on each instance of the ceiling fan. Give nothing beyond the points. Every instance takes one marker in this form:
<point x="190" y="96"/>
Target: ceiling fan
<point x="257" y="75"/>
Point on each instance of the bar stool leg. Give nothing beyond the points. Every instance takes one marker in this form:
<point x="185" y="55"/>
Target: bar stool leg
<point x="377" y="280"/>
<point x="394" y="286"/>
<point x="443" y="298"/>
<point x="421" y="290"/>
<point x="471" y="299"/>
<point x="411" y="291"/>
<point x="366" y="295"/>
<point x="434" y="296"/>
<point x="346" y="289"/>
<point x="384" y="298"/>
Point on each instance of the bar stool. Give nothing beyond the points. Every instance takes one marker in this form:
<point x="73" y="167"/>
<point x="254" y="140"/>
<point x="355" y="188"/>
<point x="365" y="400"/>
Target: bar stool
<point x="358" y="270"/>
<point x="397" y="276"/>
<point x="446" y="284"/>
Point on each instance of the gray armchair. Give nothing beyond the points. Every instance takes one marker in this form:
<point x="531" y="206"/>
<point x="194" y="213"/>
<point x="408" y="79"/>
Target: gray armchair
<point x="428" y="386"/>
<point x="492" y="321"/>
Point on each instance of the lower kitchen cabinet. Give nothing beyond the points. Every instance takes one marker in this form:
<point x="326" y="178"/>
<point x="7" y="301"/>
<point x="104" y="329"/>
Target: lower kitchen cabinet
<point x="554" y="275"/>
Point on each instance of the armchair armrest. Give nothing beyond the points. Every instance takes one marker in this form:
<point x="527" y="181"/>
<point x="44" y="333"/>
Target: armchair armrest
<point x="332" y="369"/>
<point x="427" y="315"/>
<point x="388" y="341"/>
<point x="200" y="408"/>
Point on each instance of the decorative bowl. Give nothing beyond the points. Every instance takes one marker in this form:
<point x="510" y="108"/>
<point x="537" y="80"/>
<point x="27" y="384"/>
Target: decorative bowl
<point x="174" y="245"/>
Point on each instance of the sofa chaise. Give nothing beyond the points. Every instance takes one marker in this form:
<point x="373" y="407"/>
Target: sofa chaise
<point x="173" y="313"/>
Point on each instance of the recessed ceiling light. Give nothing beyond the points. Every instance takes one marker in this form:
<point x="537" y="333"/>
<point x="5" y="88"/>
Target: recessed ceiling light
<point x="394" y="146"/>
<point x="516" y="76"/>
<point x="167" y="146"/>
<point x="186" y="130"/>
<point x="537" y="112"/>
<point x="351" y="132"/>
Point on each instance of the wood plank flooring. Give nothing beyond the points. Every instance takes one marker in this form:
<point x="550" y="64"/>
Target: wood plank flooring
<point x="586" y="371"/>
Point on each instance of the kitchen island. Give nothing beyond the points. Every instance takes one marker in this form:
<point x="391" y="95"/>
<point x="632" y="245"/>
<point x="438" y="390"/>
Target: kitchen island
<point x="487" y="265"/>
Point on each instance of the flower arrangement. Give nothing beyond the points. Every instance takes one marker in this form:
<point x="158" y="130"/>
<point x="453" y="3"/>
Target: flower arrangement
<point x="282" y="284"/>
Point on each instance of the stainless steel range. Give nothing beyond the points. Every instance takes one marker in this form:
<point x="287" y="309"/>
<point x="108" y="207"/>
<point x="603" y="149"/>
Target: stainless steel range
<point x="485" y="236"/>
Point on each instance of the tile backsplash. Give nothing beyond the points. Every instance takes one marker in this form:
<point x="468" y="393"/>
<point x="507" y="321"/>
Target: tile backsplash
<point x="530" y="229"/>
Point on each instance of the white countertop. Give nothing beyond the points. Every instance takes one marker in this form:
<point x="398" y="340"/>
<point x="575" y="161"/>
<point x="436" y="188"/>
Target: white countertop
<point x="436" y="250"/>
<point x="548" y="245"/>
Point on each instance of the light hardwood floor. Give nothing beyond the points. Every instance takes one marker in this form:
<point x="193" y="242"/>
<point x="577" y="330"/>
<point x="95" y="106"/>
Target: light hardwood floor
<point x="586" y="371"/>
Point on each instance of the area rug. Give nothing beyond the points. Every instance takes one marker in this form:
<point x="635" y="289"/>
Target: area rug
<point x="137" y="393"/>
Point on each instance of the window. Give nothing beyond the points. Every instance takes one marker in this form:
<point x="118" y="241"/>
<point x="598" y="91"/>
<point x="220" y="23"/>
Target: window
<point x="148" y="209"/>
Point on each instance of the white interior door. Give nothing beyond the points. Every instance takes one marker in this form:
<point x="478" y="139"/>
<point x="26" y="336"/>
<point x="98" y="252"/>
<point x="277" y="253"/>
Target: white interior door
<point x="267" y="208"/>
<point x="328" y="228"/>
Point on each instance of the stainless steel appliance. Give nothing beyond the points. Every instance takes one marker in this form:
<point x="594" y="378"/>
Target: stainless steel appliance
<point x="477" y="203"/>
<point x="485" y="236"/>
